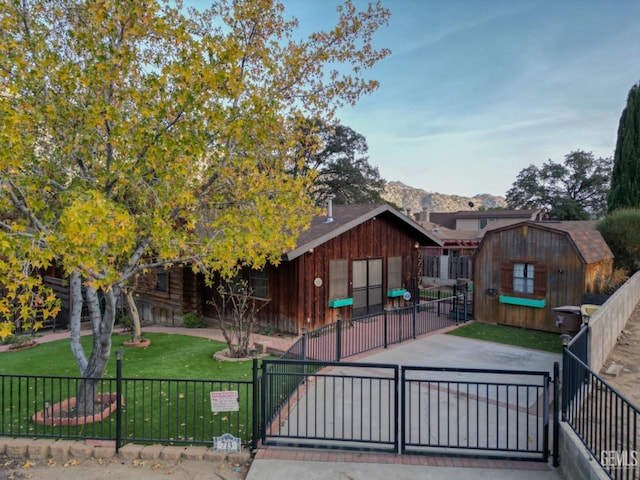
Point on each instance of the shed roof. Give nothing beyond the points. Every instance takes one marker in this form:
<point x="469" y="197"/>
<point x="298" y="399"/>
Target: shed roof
<point x="586" y="239"/>
<point x="346" y="217"/>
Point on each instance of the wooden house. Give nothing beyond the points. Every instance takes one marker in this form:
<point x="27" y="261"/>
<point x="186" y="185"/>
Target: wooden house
<point x="354" y="260"/>
<point x="523" y="271"/>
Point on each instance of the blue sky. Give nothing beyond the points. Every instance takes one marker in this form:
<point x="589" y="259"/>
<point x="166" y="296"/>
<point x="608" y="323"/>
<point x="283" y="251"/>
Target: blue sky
<point x="476" y="90"/>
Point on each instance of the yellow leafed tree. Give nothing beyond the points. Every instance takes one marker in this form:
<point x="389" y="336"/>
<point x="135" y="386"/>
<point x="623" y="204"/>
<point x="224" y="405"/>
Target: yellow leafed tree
<point x="139" y="134"/>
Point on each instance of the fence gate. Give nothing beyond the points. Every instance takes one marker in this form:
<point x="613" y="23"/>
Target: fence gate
<point x="486" y="413"/>
<point x="330" y="404"/>
<point x="378" y="407"/>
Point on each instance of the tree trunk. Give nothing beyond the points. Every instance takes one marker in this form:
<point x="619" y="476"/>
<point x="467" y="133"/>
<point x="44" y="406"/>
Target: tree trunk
<point x="102" y="327"/>
<point x="136" y="334"/>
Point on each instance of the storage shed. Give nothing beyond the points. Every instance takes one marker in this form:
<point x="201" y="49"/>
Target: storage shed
<point x="523" y="271"/>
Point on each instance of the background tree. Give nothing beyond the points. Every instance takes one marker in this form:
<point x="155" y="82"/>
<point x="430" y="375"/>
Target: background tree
<point x="625" y="178"/>
<point x="136" y="135"/>
<point x="334" y="157"/>
<point x="574" y="190"/>
<point x="621" y="230"/>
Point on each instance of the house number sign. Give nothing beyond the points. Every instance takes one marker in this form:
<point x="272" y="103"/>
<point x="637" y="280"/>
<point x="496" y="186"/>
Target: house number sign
<point x="227" y="443"/>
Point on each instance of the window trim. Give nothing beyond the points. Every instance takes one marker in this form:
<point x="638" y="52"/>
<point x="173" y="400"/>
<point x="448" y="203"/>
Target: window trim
<point x="539" y="279"/>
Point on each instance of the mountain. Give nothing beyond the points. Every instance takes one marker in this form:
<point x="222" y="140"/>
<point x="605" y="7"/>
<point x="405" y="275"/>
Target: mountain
<point x="415" y="200"/>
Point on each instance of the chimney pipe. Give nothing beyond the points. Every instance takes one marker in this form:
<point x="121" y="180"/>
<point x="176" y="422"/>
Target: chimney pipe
<point x="330" y="198"/>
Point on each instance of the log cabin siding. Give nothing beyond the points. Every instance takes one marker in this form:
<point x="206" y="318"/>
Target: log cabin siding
<point x="165" y="308"/>
<point x="567" y="274"/>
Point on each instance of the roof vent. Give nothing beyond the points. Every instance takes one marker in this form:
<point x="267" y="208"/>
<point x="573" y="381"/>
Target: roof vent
<point x="330" y="198"/>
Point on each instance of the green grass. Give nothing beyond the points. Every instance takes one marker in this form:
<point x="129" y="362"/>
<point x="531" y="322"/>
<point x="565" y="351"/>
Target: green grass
<point x="176" y="408"/>
<point x="549" y="342"/>
<point x="168" y="356"/>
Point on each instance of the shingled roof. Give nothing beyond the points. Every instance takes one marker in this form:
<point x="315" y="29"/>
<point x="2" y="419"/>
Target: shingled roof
<point x="587" y="240"/>
<point x="346" y="217"/>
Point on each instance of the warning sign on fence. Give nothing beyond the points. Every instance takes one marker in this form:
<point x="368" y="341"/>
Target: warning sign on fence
<point x="226" y="401"/>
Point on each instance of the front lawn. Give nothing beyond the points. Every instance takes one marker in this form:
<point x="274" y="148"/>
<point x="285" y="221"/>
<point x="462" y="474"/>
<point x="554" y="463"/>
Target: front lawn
<point x="168" y="356"/>
<point x="549" y="342"/>
<point x="167" y="390"/>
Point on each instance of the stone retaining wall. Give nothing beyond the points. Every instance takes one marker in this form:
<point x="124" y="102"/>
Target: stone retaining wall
<point x="64" y="450"/>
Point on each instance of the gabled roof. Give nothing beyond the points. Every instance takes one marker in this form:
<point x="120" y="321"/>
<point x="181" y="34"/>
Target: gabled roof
<point x="346" y="217"/>
<point x="586" y="239"/>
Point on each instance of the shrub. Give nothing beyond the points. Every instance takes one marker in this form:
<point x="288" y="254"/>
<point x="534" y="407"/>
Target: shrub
<point x="191" y="320"/>
<point x="608" y="285"/>
<point x="621" y="231"/>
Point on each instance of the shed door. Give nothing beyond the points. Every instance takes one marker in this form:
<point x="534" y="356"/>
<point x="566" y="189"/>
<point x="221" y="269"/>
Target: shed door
<point x="367" y="286"/>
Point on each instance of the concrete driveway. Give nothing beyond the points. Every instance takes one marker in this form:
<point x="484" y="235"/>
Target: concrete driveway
<point x="434" y="350"/>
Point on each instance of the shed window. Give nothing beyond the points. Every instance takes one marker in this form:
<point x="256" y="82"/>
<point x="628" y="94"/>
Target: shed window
<point x="523" y="275"/>
<point x="394" y="273"/>
<point x="526" y="279"/>
<point x="338" y="279"/>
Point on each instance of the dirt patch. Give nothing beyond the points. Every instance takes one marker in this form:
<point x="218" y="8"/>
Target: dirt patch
<point x="626" y="354"/>
<point x="115" y="468"/>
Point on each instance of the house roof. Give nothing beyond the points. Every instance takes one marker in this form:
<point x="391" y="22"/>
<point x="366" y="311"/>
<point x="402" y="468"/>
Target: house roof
<point x="587" y="240"/>
<point x="346" y="217"/>
<point x="497" y="213"/>
<point x="448" y="219"/>
<point x="451" y="236"/>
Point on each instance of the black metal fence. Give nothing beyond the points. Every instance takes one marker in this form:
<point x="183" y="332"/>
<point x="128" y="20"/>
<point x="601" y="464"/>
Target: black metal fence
<point x="347" y="338"/>
<point x="409" y="409"/>
<point x="140" y="410"/>
<point x="180" y="411"/>
<point x="493" y="413"/>
<point x="604" y="420"/>
<point x="332" y="405"/>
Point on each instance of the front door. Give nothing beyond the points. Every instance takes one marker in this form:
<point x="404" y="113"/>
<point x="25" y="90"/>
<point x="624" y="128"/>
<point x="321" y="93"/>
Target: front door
<point x="367" y="286"/>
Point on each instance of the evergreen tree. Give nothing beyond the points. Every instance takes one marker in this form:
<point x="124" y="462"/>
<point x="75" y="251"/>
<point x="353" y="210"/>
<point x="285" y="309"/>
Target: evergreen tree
<point x="625" y="179"/>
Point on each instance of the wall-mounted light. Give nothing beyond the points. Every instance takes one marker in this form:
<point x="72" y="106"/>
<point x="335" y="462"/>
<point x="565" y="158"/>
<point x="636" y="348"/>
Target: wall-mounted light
<point x="560" y="271"/>
<point x="416" y="245"/>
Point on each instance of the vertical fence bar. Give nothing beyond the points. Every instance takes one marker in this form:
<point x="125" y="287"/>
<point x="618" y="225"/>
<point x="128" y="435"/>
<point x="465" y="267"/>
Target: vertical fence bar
<point x="416" y="304"/>
<point x="119" y="394"/>
<point x="256" y="407"/>
<point x="339" y="340"/>
<point x="556" y="413"/>
<point x="385" y="327"/>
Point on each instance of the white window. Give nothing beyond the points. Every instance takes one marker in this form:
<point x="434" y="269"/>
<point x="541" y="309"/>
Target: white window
<point x="523" y="274"/>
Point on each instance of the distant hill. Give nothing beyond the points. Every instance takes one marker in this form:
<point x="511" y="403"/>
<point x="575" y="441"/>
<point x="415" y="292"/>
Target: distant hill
<point x="414" y="200"/>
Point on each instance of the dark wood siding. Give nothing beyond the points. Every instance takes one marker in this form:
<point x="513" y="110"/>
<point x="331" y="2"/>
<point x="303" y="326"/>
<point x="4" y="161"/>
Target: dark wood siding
<point x="559" y="276"/>
<point x="296" y="300"/>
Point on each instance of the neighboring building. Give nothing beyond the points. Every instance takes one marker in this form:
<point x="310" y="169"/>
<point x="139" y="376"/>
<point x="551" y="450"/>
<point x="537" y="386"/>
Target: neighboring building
<point x="461" y="233"/>
<point x="524" y="270"/>
<point x="354" y="260"/>
<point x="474" y="220"/>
